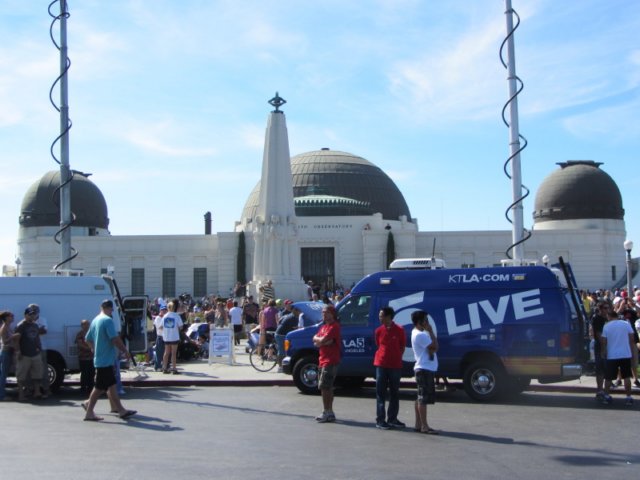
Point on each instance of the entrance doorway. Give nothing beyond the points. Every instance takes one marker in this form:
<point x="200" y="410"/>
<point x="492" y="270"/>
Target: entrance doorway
<point x="318" y="265"/>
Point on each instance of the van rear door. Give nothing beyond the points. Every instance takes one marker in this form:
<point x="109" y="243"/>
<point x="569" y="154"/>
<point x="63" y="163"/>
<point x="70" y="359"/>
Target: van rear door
<point x="135" y="323"/>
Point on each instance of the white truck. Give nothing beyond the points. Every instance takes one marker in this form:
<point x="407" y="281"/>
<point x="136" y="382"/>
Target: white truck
<point x="64" y="302"/>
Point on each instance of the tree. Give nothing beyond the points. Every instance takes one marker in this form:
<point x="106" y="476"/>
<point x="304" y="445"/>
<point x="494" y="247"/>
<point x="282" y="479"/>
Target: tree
<point x="391" y="249"/>
<point x="241" y="266"/>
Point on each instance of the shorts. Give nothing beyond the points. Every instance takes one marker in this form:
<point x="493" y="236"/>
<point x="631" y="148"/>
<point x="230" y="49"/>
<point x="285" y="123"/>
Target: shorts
<point x="611" y="368"/>
<point x="105" y="378"/>
<point x="327" y="375"/>
<point x="29" y="367"/>
<point x="425" y="381"/>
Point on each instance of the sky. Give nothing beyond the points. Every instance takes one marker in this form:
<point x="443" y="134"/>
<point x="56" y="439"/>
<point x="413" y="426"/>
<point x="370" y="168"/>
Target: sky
<point x="169" y="101"/>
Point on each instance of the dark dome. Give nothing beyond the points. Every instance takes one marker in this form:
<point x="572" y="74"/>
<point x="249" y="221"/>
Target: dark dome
<point x="579" y="190"/>
<point x="332" y="183"/>
<point x="87" y="203"/>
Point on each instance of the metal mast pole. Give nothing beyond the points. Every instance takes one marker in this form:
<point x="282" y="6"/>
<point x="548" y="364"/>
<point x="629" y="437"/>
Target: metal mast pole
<point x="65" y="172"/>
<point x="514" y="143"/>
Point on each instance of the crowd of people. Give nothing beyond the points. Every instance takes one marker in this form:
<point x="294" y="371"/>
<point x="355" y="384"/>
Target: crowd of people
<point x="614" y="321"/>
<point x="614" y="327"/>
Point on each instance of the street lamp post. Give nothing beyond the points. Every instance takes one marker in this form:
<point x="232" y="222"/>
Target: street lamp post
<point x="628" y="246"/>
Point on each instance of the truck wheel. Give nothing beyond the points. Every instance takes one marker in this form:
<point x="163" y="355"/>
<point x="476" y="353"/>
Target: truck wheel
<point x="55" y="372"/>
<point x="305" y="375"/>
<point x="484" y="380"/>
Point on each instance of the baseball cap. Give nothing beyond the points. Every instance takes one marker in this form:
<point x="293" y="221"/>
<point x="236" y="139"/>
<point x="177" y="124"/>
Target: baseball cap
<point x="288" y="302"/>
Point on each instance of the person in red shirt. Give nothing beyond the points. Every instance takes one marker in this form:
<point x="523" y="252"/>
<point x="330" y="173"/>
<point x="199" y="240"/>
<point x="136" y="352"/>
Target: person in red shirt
<point x="328" y="342"/>
<point x="391" y="341"/>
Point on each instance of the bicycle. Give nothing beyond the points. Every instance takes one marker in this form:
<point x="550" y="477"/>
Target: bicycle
<point x="264" y="357"/>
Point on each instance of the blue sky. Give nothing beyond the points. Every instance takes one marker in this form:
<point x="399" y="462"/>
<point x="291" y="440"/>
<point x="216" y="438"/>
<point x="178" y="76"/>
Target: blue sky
<point x="169" y="101"/>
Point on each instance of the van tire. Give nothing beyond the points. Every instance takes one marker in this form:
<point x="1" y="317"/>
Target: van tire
<point x="305" y="375"/>
<point x="54" y="371"/>
<point x="484" y="380"/>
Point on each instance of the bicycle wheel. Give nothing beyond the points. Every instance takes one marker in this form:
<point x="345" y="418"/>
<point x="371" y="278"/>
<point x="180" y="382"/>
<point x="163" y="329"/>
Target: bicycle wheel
<point x="266" y="360"/>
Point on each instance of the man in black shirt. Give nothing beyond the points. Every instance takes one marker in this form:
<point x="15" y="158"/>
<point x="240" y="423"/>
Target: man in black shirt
<point x="29" y="348"/>
<point x="597" y="325"/>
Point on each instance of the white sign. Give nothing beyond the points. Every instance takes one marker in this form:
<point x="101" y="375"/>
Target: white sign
<point x="220" y="344"/>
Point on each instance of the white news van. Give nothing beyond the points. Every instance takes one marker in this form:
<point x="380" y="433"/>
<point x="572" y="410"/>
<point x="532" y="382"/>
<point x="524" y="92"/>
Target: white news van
<point x="64" y="302"/>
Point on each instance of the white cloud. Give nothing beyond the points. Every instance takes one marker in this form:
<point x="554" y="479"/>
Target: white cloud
<point x="452" y="83"/>
<point x="615" y="124"/>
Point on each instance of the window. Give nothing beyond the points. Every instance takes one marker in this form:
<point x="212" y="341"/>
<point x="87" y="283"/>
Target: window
<point x="168" y="282"/>
<point x="355" y="311"/>
<point x="199" y="282"/>
<point x="137" y="281"/>
<point x="468" y="265"/>
<point x="613" y="273"/>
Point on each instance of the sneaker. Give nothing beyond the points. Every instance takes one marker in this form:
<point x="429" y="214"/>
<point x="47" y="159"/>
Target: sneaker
<point x="629" y="401"/>
<point x="599" y="396"/>
<point x="382" y="425"/>
<point x="396" y="424"/>
<point x="607" y="400"/>
<point x="326" y="417"/>
<point x="636" y="384"/>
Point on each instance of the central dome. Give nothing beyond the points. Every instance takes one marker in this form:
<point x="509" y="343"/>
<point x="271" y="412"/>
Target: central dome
<point x="333" y="183"/>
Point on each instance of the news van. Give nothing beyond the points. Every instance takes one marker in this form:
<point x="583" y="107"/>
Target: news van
<point x="498" y="328"/>
<point x="64" y="301"/>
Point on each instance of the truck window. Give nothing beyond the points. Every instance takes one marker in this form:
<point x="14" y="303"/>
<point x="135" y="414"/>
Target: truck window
<point x="355" y="311"/>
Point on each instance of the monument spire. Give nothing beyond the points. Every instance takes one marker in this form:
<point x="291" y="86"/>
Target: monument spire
<point x="275" y="227"/>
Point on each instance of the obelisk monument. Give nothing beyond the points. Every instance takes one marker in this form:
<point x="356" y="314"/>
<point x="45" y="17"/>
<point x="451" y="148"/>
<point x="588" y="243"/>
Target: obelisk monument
<point x="276" y="255"/>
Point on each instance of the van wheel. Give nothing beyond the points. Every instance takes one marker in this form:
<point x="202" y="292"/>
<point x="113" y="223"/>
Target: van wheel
<point x="305" y="375"/>
<point x="55" y="371"/>
<point x="484" y="380"/>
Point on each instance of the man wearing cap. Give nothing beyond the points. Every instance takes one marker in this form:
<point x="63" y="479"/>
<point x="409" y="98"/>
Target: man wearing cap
<point x="29" y="349"/>
<point x="328" y="342"/>
<point x="104" y="341"/>
<point x="288" y="322"/>
<point x="157" y="323"/>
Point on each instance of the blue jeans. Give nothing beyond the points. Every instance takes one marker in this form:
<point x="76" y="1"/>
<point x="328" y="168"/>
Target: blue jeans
<point x="159" y="352"/>
<point x="387" y="380"/>
<point x="280" y="344"/>
<point x="5" y="362"/>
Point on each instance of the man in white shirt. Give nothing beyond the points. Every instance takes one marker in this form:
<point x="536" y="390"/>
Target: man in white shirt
<point x="159" y="347"/>
<point x="235" y="314"/>
<point x="617" y="342"/>
<point x="425" y="346"/>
